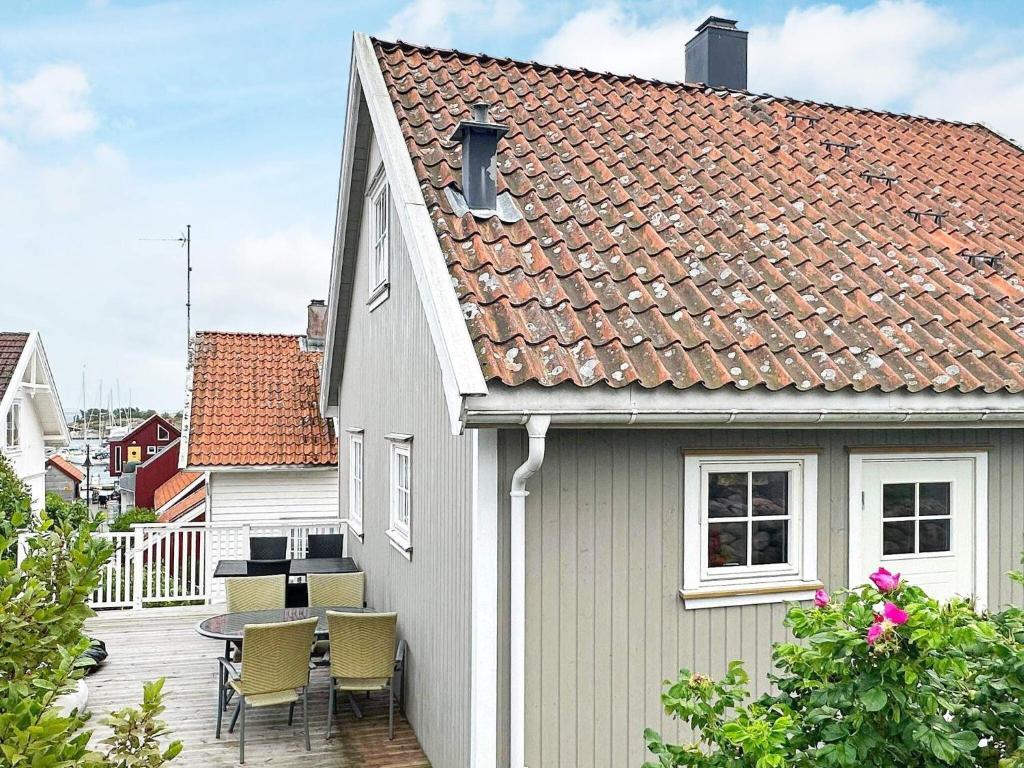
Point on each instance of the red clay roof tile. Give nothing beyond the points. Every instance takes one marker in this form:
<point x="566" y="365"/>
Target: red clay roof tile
<point x="11" y="347"/>
<point x="172" y="487"/>
<point x="674" y="235"/>
<point x="187" y="504"/>
<point x="66" y="467"/>
<point x="255" y="403"/>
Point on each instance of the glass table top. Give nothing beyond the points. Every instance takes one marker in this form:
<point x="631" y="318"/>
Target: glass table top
<point x="231" y="626"/>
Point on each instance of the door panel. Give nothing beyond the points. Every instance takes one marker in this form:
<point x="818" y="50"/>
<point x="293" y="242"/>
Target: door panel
<point x="918" y="519"/>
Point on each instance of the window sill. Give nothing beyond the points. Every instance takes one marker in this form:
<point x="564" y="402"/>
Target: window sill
<point x="356" y="529"/>
<point x="400" y="543"/>
<point x="378" y="296"/>
<point x="751" y="593"/>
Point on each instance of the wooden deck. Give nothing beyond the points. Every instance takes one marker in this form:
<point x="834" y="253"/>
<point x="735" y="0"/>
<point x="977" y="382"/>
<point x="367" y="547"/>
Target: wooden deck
<point x="162" y="642"/>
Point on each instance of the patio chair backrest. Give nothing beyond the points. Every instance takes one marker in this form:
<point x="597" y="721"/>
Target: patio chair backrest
<point x="268" y="547"/>
<point x="362" y="644"/>
<point x="325" y="544"/>
<point x="267" y="567"/>
<point x="275" y="657"/>
<point x="335" y="590"/>
<point x="255" y="593"/>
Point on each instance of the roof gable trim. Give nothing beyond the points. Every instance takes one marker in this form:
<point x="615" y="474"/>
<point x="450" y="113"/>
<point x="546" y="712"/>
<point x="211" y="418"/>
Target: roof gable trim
<point x="460" y="369"/>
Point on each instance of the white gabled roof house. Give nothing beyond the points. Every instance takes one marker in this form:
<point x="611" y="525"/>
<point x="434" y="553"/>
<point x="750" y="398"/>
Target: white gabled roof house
<point x="31" y="417"/>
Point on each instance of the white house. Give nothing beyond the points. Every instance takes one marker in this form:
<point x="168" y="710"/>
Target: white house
<point x="30" y="410"/>
<point x="253" y="426"/>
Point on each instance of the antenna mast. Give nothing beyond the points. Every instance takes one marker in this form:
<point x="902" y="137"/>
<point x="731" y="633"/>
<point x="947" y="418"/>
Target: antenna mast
<point x="185" y="240"/>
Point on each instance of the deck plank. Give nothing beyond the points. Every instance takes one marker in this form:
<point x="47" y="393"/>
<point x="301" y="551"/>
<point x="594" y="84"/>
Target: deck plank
<point x="162" y="642"/>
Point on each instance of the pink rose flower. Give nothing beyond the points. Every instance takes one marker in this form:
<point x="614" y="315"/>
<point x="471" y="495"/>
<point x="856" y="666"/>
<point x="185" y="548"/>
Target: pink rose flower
<point x="894" y="614"/>
<point x="875" y="631"/>
<point x="821" y="598"/>
<point x="885" y="581"/>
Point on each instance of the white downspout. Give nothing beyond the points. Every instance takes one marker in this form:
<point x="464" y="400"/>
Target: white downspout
<point x="536" y="427"/>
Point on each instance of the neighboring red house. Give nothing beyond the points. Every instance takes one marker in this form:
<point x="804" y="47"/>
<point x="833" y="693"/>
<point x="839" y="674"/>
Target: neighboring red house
<point x="140" y="482"/>
<point x="142" y="443"/>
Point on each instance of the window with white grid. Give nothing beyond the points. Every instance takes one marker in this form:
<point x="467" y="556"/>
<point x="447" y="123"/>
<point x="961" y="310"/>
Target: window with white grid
<point x="355" y="484"/>
<point x="400" y="530"/>
<point x="379" y="236"/>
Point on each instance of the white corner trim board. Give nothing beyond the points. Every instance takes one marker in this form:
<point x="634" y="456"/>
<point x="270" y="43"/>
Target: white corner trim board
<point x="483" y="709"/>
<point x="460" y="370"/>
<point x="537" y="428"/>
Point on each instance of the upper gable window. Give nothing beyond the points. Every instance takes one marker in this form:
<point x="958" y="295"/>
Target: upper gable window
<point x="162" y="434"/>
<point x="380" y="235"/>
<point x="13" y="426"/>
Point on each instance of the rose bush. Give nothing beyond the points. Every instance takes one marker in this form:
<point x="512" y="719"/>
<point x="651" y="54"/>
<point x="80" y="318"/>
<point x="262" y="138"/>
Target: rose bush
<point x="880" y="676"/>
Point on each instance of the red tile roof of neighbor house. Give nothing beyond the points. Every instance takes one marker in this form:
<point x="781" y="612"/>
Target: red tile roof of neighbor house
<point x="186" y="505"/>
<point x="172" y="487"/>
<point x="11" y="347"/>
<point x="66" y="467"/>
<point x="255" y="403"/>
<point x="677" y="235"/>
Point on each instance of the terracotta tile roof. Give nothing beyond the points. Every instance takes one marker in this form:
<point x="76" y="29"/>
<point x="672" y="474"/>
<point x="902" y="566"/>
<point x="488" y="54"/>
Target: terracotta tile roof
<point x="678" y="235"/>
<point x="172" y="487"/>
<point x="66" y="467"/>
<point x="11" y="347"/>
<point x="187" y="504"/>
<point x="255" y="403"/>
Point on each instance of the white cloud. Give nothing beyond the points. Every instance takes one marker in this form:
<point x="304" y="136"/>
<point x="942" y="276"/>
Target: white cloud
<point x="612" y="39"/>
<point x="989" y="93"/>
<point x="263" y="283"/>
<point x="51" y="104"/>
<point x="871" y="56"/>
<point x="440" y="22"/>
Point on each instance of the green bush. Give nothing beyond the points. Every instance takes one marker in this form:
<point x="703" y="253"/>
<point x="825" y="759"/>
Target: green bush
<point x="124" y="522"/>
<point x="61" y="510"/>
<point x="883" y="676"/>
<point x="42" y="609"/>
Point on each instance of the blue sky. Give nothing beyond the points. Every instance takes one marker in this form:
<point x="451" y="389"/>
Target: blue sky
<point x="121" y="121"/>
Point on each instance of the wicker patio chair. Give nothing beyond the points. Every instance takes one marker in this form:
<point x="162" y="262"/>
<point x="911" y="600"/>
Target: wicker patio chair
<point x="254" y="593"/>
<point x="268" y="547"/>
<point x="275" y="670"/>
<point x="325" y="544"/>
<point x="334" y="590"/>
<point x="362" y="658"/>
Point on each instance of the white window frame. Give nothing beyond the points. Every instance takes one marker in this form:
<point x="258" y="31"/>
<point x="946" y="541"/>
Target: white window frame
<point x="118" y="458"/>
<point x="400" y="531"/>
<point x="708" y="587"/>
<point x="162" y="433"/>
<point x="12" y="427"/>
<point x="378" y="207"/>
<point x="151" y="450"/>
<point x="356" y="466"/>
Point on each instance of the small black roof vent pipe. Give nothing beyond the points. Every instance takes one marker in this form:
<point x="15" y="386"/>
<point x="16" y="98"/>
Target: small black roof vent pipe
<point x="479" y="137"/>
<point x="717" y="55"/>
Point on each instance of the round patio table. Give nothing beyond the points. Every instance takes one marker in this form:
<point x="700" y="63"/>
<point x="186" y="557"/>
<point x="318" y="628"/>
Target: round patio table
<point x="231" y="626"/>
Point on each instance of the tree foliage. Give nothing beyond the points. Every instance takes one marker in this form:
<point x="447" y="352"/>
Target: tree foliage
<point x="42" y="610"/>
<point x="124" y="522"/>
<point x="881" y="676"/>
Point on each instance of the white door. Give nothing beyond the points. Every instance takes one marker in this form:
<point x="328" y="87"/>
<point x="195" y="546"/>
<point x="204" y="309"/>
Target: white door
<point x="918" y="518"/>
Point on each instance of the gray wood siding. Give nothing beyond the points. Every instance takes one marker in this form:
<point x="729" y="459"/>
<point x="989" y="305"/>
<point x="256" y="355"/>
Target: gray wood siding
<point x="605" y="625"/>
<point x="391" y="383"/>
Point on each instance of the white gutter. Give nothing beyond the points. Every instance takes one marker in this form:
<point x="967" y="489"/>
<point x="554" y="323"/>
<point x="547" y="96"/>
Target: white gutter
<point x="536" y="427"/>
<point x="740" y="417"/>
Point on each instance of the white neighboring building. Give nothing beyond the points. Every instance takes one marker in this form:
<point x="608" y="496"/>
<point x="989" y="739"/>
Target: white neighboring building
<point x="31" y="418"/>
<point x="253" y="426"/>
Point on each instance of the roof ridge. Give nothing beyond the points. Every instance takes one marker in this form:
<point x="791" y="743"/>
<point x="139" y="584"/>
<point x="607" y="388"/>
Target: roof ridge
<point x="692" y="86"/>
<point x="265" y="334"/>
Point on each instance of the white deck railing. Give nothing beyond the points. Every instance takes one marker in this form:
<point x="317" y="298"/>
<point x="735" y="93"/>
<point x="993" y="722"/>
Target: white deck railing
<point x="172" y="563"/>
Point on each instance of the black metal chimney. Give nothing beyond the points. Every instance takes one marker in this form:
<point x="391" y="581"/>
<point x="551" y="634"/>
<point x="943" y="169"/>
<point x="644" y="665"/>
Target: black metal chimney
<point x="479" y="138"/>
<point x="717" y="55"/>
